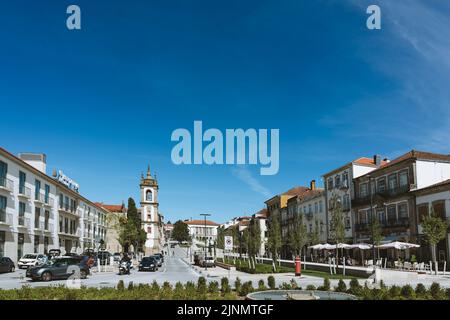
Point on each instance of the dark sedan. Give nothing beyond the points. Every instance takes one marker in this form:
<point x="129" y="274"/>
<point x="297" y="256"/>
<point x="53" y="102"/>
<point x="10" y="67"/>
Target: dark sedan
<point x="59" y="268"/>
<point x="148" y="264"/>
<point x="7" y="265"/>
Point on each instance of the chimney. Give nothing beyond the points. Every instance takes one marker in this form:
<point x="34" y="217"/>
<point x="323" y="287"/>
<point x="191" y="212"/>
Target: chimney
<point x="36" y="160"/>
<point x="377" y="159"/>
<point x="313" y="185"/>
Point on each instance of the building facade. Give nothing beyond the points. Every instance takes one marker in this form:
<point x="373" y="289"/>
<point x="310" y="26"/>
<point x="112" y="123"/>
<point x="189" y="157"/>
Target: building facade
<point x="388" y="192"/>
<point x="200" y="230"/>
<point x="339" y="185"/>
<point x="115" y="212"/>
<point x="39" y="212"/>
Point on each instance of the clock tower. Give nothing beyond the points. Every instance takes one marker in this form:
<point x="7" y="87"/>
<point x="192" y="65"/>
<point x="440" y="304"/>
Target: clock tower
<point x="149" y="213"/>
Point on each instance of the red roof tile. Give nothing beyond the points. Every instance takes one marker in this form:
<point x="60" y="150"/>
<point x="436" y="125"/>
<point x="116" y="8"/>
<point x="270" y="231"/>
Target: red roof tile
<point x="201" y="222"/>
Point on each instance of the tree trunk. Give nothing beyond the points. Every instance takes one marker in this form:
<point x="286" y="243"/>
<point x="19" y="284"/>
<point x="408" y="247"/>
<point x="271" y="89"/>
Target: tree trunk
<point x="433" y="258"/>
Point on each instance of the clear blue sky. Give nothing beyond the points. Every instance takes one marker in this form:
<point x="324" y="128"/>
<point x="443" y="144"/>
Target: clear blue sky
<point x="102" y="102"/>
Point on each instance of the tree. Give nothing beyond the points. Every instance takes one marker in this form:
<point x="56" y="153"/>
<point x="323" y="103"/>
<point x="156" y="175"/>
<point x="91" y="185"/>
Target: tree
<point x="434" y="229"/>
<point x="180" y="232"/>
<point x="314" y="237"/>
<point x="377" y="232"/>
<point x="221" y="237"/>
<point x="337" y="227"/>
<point x="138" y="235"/>
<point x="252" y="236"/>
<point x="298" y="236"/>
<point x="274" y="237"/>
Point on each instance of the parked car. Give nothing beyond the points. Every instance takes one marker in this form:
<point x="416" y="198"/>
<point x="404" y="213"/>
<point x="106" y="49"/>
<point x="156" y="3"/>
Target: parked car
<point x="58" y="268"/>
<point x="31" y="260"/>
<point x="208" y="262"/>
<point x="161" y="256"/>
<point x="148" y="264"/>
<point x="7" y="265"/>
<point x="158" y="260"/>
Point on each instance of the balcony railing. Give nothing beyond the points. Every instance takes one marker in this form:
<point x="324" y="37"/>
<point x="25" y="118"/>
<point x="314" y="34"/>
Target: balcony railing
<point x="6" y="184"/>
<point x="400" y="223"/>
<point x="385" y="194"/>
<point x="6" y="218"/>
<point x="24" y="192"/>
<point x="309" y="215"/>
<point x="50" y="202"/>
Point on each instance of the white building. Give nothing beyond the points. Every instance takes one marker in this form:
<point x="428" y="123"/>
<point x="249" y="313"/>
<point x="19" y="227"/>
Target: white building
<point x="201" y="229"/>
<point x="436" y="199"/>
<point x="338" y="183"/>
<point x="39" y="212"/>
<point x="261" y="218"/>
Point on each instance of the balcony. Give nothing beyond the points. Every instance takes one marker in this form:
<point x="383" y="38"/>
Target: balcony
<point x="384" y="195"/>
<point x="49" y="202"/>
<point x="24" y="192"/>
<point x="77" y="233"/>
<point x="6" y="184"/>
<point x="68" y="210"/>
<point x="24" y="222"/>
<point x="6" y="218"/>
<point x="400" y="223"/>
<point x="309" y="215"/>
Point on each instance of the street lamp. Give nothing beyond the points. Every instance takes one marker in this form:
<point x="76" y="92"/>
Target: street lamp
<point x="205" y="215"/>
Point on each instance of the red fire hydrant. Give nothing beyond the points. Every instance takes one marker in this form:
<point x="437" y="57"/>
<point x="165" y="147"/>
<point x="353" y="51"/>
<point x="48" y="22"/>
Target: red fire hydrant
<point x="298" y="267"/>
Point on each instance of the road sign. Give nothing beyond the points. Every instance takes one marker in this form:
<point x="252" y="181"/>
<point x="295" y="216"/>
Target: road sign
<point x="228" y="242"/>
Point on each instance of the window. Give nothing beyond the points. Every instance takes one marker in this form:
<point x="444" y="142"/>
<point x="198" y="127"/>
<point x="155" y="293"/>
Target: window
<point x="47" y="217"/>
<point x="403" y="178"/>
<point x="392" y="180"/>
<point x="316" y="207"/>
<point x="37" y="215"/>
<point x="391" y="214"/>
<point x="330" y="183"/>
<point x="403" y="211"/>
<point x="337" y="181"/>
<point x="22" y="207"/>
<point x="61" y="229"/>
<point x="61" y="200"/>
<point x="309" y="208"/>
<point x="381" y="185"/>
<point x="363" y="217"/>
<point x="320" y="206"/>
<point x="381" y="216"/>
<point x="37" y="189"/>
<point x="346" y="201"/>
<point x="345" y="179"/>
<point x="2" y="244"/>
<point x="3" y="172"/>
<point x="66" y="225"/>
<point x="149" y="195"/>
<point x="36" y="244"/>
<point x="439" y="209"/>
<point x="22" y="180"/>
<point x="347" y="223"/>
<point x="3" y="208"/>
<point x="363" y="192"/>
<point x="422" y="210"/>
<point x="47" y="193"/>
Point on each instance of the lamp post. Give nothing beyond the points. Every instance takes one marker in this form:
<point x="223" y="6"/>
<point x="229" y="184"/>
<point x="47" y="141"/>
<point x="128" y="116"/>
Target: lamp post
<point x="205" y="215"/>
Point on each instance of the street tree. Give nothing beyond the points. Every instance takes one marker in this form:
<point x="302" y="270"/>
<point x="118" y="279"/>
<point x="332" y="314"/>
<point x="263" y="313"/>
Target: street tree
<point x="377" y="232"/>
<point x="337" y="223"/>
<point x="253" y="239"/>
<point x="298" y="236"/>
<point x="274" y="237"/>
<point x="180" y="232"/>
<point x="435" y="230"/>
<point x="314" y="237"/>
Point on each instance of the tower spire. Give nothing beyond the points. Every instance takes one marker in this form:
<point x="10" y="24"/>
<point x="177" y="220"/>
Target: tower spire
<point x="148" y="171"/>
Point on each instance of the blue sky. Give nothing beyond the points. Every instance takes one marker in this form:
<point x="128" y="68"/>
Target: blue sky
<point x="102" y="102"/>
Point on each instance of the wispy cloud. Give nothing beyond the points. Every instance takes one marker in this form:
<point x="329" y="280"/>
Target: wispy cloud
<point x="245" y="175"/>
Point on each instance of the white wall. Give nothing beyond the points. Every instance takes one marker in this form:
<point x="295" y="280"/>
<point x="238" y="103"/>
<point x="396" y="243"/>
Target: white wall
<point x="431" y="172"/>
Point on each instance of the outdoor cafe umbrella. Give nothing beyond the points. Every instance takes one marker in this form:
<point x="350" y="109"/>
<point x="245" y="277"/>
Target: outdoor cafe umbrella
<point x="361" y="247"/>
<point x="398" y="246"/>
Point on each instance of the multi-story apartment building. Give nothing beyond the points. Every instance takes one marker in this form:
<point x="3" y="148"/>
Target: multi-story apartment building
<point x="433" y="199"/>
<point x="277" y="207"/>
<point x="386" y="192"/>
<point x="338" y="183"/>
<point x="311" y="205"/>
<point x="115" y="212"/>
<point x="261" y="218"/>
<point x="39" y="212"/>
<point x="201" y="229"/>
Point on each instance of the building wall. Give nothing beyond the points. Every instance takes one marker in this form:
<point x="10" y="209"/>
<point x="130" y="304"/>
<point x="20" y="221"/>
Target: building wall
<point x="431" y="172"/>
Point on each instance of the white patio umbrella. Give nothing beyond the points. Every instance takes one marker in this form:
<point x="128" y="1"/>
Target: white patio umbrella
<point x="398" y="245"/>
<point x="319" y="246"/>
<point x="361" y="246"/>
